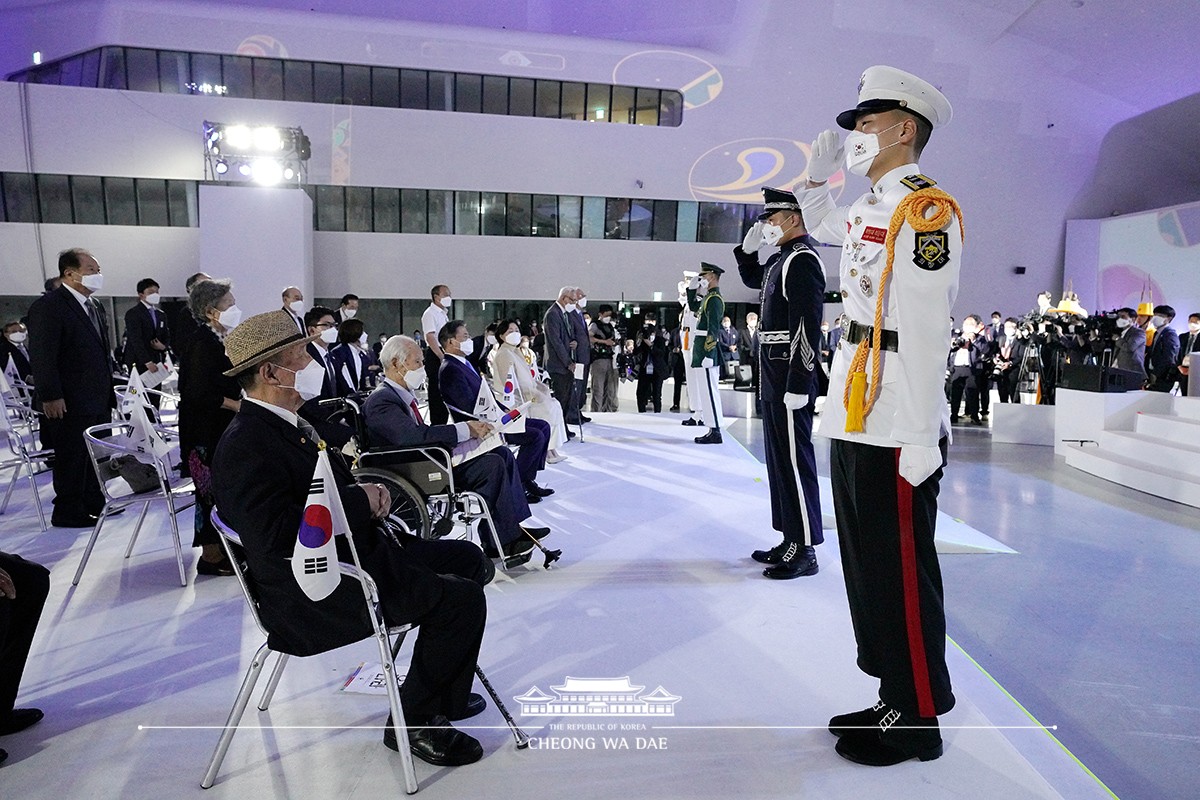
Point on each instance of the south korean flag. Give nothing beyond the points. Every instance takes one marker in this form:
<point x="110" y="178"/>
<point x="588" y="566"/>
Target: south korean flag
<point x="314" y="559"/>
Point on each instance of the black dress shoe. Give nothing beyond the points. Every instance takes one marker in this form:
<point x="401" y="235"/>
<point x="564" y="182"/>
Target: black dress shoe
<point x="475" y="706"/>
<point x="517" y="560"/>
<point x="537" y="533"/>
<point x="771" y="556"/>
<point x="532" y="498"/>
<point x="3" y="756"/>
<point x="516" y="547"/>
<point x="570" y="435"/>
<point x="540" y="491"/>
<point x="73" y="520"/>
<point x="795" y="562"/>
<point x="222" y="568"/>
<point x="19" y="719"/>
<point x="690" y="422"/>
<point x="712" y="437"/>
<point x="585" y="419"/>
<point x="674" y="408"/>
<point x="437" y="743"/>
<point x="897" y="737"/>
<point x="842" y="724"/>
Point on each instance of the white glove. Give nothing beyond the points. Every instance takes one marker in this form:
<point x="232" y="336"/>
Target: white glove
<point x="794" y="401"/>
<point x="754" y="238"/>
<point x="693" y="282"/>
<point x="708" y="362"/>
<point x="918" y="463"/>
<point x="826" y="156"/>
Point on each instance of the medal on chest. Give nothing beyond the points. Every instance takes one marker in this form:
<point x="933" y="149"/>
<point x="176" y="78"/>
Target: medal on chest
<point x="865" y="284"/>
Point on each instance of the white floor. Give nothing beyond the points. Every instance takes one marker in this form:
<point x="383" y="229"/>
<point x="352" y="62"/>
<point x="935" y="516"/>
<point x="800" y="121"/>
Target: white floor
<point x="655" y="584"/>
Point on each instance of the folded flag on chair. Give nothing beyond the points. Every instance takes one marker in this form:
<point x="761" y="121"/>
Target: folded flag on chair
<point x="135" y="394"/>
<point x="314" y="559"/>
<point x="146" y="438"/>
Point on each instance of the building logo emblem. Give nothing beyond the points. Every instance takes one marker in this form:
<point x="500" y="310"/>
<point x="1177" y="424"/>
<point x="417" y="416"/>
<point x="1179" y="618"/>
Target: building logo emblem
<point x="591" y="697"/>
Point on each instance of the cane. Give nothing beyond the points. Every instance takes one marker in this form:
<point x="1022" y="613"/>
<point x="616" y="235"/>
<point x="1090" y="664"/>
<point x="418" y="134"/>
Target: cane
<point x="551" y="555"/>
<point x="518" y="734"/>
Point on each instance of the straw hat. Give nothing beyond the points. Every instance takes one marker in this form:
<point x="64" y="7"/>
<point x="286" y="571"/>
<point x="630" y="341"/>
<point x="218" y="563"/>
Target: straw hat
<point x="260" y="337"/>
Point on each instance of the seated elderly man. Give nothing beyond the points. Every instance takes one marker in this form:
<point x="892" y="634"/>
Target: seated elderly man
<point x="393" y="420"/>
<point x="460" y="385"/>
<point x="261" y="473"/>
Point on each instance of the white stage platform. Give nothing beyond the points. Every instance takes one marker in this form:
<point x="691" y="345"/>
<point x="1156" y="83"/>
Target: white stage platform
<point x="655" y="584"/>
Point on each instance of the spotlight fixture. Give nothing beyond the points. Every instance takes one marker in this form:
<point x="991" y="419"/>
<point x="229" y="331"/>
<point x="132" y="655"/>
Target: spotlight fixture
<point x="264" y="154"/>
<point x="221" y="167"/>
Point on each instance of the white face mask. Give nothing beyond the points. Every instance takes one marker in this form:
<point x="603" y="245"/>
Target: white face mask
<point x="446" y="301"/>
<point x="362" y="340"/>
<point x="329" y="335"/>
<point x="581" y="302"/>
<point x="513" y="338"/>
<point x="1043" y="303"/>
<point x="704" y="284"/>
<point x="862" y="148"/>
<point x="18" y="337"/>
<point x="1158" y="321"/>
<point x="297" y="307"/>
<point x="308" y="381"/>
<point x="414" y="379"/>
<point x="152" y="298"/>
<point x="1122" y="322"/>
<point x="606" y="320"/>
<point x="93" y="283"/>
<point x="467" y="347"/>
<point x="230" y="317"/>
<point x="771" y="234"/>
<point x="348" y="313"/>
<point x="1194" y="327"/>
<point x="1009" y="330"/>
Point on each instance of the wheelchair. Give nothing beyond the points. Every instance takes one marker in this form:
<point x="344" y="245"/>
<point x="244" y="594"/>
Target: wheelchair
<point x="425" y="500"/>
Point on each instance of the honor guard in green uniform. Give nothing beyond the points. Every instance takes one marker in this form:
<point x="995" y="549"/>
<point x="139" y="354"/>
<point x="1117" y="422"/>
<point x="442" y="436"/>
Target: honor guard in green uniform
<point x="704" y="299"/>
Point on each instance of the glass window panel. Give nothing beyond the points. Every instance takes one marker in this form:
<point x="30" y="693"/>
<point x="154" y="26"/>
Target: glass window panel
<point x="670" y="107"/>
<point x="573" y="100"/>
<point x="593" y="217"/>
<point x="598" y="102"/>
<point x="622" y="104"/>
<point x="237" y="76"/>
<point x="87" y="196"/>
<point x="493" y="213"/>
<point x="327" y="83"/>
<point x="19" y="199"/>
<point x="545" y="215"/>
<point x="71" y="71"/>
<point x="665" y="212"/>
<point x="152" y="202"/>
<point x="113" y="70"/>
<point x="298" y="81"/>
<point x="466" y="213"/>
<point x="414" y="88"/>
<point x="310" y="189"/>
<point x="520" y="97"/>
<point x="647" y="106"/>
<point x="385" y="87"/>
<point x="441" y="91"/>
<point x="570" y="212"/>
<point x="468" y="93"/>
<point x="495" y="94"/>
<point x="181" y="203"/>
<point x="519" y="214"/>
<point x="387" y="204"/>
<point x="142" y="68"/>
<point x="413" y="212"/>
<point x="687" y="218"/>
<point x="720" y="222"/>
<point x="331" y="208"/>
<point x="641" y="220"/>
<point x="50" y="74"/>
<point x="441" y="211"/>
<point x="356" y="83"/>
<point x="173" y="72"/>
<point x="206" y="69"/>
<point x="120" y="200"/>
<point x="54" y="198"/>
<point x="359" y="215"/>
<point x="91" y="69"/>
<point x="616" y="218"/>
<point x="547" y="98"/>
<point x="268" y="79"/>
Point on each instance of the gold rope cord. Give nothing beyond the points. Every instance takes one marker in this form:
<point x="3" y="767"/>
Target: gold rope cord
<point x="911" y="210"/>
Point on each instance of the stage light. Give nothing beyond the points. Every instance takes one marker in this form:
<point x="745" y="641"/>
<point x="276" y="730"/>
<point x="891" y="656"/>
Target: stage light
<point x="222" y="166"/>
<point x="267" y="140"/>
<point x="265" y="154"/>
<point x="238" y="138"/>
<point x="244" y="170"/>
<point x="289" y="173"/>
<point x="267" y="171"/>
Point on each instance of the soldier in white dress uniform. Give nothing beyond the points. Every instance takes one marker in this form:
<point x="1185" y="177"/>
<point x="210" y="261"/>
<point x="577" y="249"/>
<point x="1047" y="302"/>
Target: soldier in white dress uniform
<point x="886" y="411"/>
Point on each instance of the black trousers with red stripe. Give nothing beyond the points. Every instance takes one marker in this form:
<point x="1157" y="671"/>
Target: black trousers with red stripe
<point x="893" y="580"/>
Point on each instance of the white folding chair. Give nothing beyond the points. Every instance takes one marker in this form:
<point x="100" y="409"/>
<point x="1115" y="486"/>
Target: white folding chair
<point x="109" y="441"/>
<point x="383" y="635"/>
<point x="20" y="430"/>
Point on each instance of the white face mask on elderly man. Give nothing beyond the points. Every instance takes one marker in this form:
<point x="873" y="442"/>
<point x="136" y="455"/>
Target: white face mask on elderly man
<point x="309" y="380"/>
<point x="467" y="346"/>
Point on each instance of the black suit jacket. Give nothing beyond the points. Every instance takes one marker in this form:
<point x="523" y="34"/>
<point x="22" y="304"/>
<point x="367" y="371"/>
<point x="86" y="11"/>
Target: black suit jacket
<point x="10" y="350"/>
<point x="139" y="330"/>
<point x="70" y="360"/>
<point x="261" y="476"/>
<point x="557" y="328"/>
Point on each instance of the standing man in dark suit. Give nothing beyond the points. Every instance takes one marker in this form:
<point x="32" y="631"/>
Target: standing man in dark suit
<point x="1129" y="346"/>
<point x="560" y="357"/>
<point x="582" y="343"/>
<point x="461" y="384"/>
<point x="185" y="323"/>
<point x="748" y="347"/>
<point x="147" y="337"/>
<point x="1163" y="352"/>
<point x="14" y="355"/>
<point x="1010" y="355"/>
<point x="262" y="473"/>
<point x="651" y="355"/>
<point x="348" y="308"/>
<point x="293" y="304"/>
<point x="1188" y="343"/>
<point x="73" y="367"/>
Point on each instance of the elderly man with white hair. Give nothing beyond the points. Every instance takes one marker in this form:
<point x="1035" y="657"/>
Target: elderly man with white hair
<point x="560" y="355"/>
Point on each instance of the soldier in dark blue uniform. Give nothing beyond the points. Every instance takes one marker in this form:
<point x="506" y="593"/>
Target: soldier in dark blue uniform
<point x="791" y="292"/>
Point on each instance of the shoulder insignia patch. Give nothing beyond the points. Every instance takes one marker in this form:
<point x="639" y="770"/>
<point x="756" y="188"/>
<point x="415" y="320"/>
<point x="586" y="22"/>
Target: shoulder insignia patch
<point x="932" y="251"/>
<point x="918" y="181"/>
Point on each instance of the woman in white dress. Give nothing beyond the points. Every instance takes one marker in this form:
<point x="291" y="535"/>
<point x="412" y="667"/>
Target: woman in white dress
<point x="510" y="359"/>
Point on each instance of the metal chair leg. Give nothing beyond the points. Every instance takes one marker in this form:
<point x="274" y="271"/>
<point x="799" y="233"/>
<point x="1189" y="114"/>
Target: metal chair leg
<point x="399" y="724"/>
<point x="273" y="682"/>
<point x="235" y="715"/>
<point x="11" y="485"/>
<point x="175" y="537"/>
<point x="137" y="528"/>
<point x="37" y="497"/>
<point x="87" y="551"/>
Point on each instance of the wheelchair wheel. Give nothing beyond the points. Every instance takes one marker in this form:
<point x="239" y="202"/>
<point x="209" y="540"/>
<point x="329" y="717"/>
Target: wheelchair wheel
<point x="408" y="504"/>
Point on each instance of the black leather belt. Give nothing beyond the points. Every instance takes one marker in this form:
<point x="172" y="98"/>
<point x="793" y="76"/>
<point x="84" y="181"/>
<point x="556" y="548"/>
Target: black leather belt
<point x="855" y="332"/>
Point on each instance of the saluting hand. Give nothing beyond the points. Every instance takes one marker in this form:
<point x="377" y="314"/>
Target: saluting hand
<point x="826" y="156"/>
